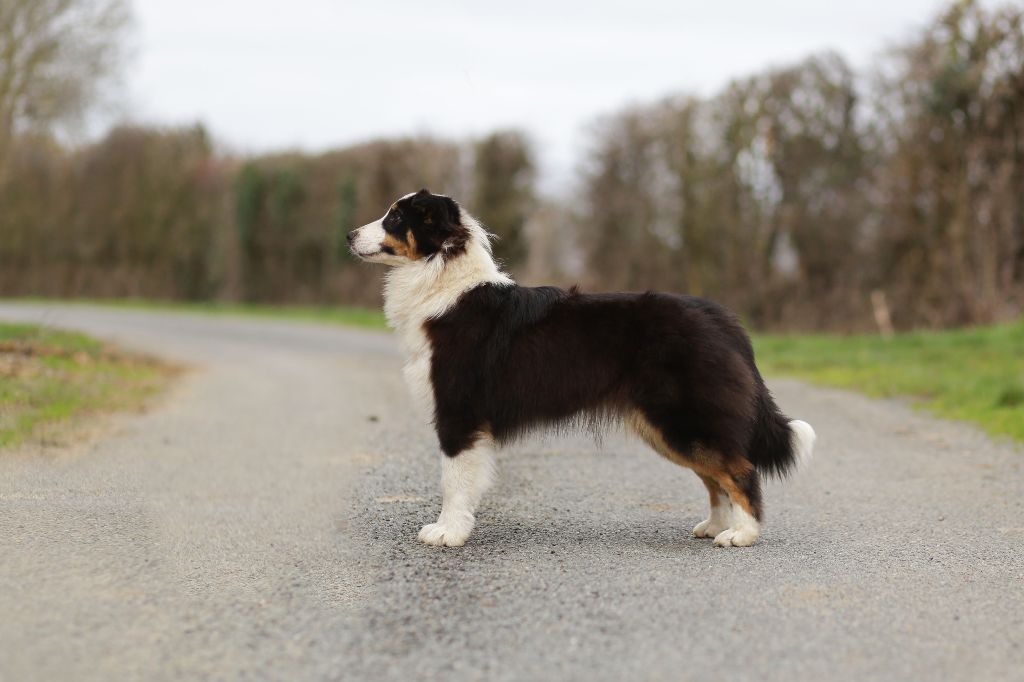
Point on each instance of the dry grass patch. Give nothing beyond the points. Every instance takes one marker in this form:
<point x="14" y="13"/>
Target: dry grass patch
<point x="51" y="380"/>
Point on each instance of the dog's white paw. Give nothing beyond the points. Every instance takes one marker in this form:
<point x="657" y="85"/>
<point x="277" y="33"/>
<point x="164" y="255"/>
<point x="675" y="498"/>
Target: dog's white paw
<point x="444" y="534"/>
<point x="737" y="537"/>
<point x="708" y="528"/>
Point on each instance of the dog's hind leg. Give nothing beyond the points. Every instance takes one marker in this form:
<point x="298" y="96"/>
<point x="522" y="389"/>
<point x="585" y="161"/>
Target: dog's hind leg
<point x="721" y="511"/>
<point x="741" y="483"/>
<point x="465" y="478"/>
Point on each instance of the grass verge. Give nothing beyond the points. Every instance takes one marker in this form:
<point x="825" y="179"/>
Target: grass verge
<point x="976" y="375"/>
<point x="50" y="379"/>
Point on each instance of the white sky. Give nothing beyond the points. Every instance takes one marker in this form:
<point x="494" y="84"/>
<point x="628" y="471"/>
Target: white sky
<point x="312" y="74"/>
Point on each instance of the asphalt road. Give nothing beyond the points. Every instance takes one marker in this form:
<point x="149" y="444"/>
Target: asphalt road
<point x="261" y="523"/>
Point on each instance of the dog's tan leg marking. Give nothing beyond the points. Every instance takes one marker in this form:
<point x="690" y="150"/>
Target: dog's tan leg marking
<point x="744" y="527"/>
<point x="734" y="525"/>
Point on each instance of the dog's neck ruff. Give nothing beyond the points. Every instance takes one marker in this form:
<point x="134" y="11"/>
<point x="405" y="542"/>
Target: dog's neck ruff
<point x="425" y="289"/>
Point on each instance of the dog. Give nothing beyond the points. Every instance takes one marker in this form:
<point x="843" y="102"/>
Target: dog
<point x="492" y="361"/>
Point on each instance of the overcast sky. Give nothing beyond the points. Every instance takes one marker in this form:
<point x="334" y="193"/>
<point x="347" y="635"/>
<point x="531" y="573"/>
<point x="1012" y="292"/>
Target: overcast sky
<point x="312" y="74"/>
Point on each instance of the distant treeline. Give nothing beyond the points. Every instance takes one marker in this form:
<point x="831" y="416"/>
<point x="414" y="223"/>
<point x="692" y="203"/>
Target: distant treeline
<point x="806" y="197"/>
<point x="159" y="214"/>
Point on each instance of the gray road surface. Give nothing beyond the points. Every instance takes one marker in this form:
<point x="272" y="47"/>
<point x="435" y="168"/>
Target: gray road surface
<point x="261" y="524"/>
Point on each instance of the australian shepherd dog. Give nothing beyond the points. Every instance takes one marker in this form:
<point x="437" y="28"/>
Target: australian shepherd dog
<point x="491" y="361"/>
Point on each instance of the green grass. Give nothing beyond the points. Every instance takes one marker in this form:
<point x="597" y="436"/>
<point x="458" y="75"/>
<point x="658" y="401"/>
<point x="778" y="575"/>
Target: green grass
<point x="49" y="379"/>
<point x="343" y="315"/>
<point x="975" y="375"/>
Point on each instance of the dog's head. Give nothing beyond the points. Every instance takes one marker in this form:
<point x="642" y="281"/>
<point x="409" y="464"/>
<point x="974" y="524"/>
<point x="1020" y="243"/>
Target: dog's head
<point x="418" y="226"/>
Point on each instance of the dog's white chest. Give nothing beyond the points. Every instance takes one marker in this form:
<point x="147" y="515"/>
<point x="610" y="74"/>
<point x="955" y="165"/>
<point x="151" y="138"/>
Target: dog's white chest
<point x="425" y="290"/>
<point x="417" y="351"/>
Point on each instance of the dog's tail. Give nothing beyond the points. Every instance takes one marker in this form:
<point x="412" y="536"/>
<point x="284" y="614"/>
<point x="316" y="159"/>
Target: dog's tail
<point x="779" y="446"/>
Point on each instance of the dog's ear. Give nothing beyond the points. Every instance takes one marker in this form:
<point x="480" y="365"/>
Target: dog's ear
<point x="435" y="209"/>
<point x="439" y="226"/>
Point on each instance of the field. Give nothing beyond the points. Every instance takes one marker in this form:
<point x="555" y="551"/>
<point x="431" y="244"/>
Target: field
<point x="50" y="379"/>
<point x="975" y="375"/>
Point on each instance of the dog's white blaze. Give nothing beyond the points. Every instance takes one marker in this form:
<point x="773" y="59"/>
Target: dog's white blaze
<point x="369" y="237"/>
<point x="424" y="289"/>
<point x="464" y="480"/>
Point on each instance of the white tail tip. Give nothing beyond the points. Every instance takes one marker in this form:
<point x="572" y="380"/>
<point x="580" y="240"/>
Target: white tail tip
<point x="803" y="438"/>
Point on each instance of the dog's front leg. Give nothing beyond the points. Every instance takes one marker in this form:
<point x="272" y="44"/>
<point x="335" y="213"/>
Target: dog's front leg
<point x="465" y="478"/>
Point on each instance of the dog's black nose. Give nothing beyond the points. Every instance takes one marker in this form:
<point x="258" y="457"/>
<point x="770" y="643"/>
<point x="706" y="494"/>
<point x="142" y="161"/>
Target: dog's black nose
<point x="350" y="237"/>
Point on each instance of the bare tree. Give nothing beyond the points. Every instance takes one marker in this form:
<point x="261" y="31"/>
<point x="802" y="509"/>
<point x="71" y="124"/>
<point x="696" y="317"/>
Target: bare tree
<point x="951" y="109"/>
<point x="56" y="56"/>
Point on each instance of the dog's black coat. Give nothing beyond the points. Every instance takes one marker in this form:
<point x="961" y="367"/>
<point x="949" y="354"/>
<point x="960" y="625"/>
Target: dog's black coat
<point x="508" y="358"/>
